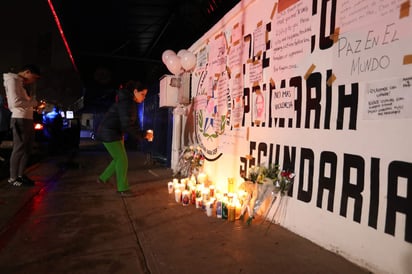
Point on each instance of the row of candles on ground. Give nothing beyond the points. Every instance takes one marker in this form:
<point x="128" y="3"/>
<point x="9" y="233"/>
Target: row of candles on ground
<point x="226" y="205"/>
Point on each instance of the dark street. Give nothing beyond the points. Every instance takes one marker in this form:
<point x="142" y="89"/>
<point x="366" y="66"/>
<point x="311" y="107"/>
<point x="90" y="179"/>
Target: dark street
<point x="68" y="223"/>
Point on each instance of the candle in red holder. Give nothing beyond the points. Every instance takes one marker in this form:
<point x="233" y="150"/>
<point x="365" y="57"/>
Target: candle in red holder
<point x="185" y="197"/>
<point x="193" y="196"/>
<point x="212" y="191"/>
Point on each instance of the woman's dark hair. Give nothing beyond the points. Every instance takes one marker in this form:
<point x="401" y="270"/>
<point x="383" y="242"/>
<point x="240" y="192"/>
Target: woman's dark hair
<point x="132" y="85"/>
<point x="33" y="69"/>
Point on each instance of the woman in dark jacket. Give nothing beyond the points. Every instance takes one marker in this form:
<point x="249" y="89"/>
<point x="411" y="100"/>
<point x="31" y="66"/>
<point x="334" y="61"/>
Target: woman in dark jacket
<point x="121" y="118"/>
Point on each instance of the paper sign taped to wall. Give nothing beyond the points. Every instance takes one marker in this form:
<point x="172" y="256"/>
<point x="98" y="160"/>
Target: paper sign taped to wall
<point x="389" y="99"/>
<point x="283" y="103"/>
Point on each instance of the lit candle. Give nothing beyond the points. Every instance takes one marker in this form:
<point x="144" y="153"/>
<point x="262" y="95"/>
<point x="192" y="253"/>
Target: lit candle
<point x="193" y="195"/>
<point x="201" y="178"/>
<point x="185" y="198"/>
<point x="178" y="195"/>
<point x="175" y="183"/>
<point x="205" y="194"/>
<point x="170" y="187"/>
<point x="183" y="182"/>
<point x="230" y="197"/>
<point x="212" y="191"/>
<point x="224" y="209"/>
<point x="209" y="208"/>
<point x="182" y="187"/>
<point x="238" y="209"/>
<point x="199" y="202"/>
<point x="219" y="209"/>
<point x="190" y="183"/>
<point x="231" y="212"/>
<point x="230" y="185"/>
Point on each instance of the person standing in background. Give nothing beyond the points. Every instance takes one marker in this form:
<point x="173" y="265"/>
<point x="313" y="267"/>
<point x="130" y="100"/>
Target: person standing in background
<point x="21" y="105"/>
<point x="5" y="115"/>
<point x="121" y="119"/>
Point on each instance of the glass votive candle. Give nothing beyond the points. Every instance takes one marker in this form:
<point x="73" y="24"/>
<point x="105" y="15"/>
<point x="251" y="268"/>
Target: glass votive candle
<point x="209" y="208"/>
<point x="178" y="195"/>
<point x="212" y="191"/>
<point x="182" y="187"/>
<point x="170" y="187"/>
<point x="219" y="209"/>
<point x="205" y="194"/>
<point x="231" y="212"/>
<point x="185" y="197"/>
<point x="199" y="202"/>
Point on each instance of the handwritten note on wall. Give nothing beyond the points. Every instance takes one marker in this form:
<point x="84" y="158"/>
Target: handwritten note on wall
<point x="255" y="71"/>
<point x="259" y="43"/>
<point x="236" y="95"/>
<point x="291" y="37"/>
<point x="283" y="103"/>
<point x="389" y="99"/>
<point x="355" y="13"/>
<point x="368" y="52"/>
<point x="217" y="54"/>
<point x="201" y="59"/>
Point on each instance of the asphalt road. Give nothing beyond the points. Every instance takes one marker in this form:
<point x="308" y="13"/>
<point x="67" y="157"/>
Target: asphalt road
<point x="39" y="152"/>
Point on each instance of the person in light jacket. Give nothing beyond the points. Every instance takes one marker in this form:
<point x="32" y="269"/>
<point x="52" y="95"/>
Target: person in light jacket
<point x="21" y="105"/>
<point x="121" y="119"/>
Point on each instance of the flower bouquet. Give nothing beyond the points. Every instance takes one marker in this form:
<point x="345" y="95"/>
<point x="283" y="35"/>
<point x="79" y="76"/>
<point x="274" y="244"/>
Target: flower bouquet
<point x="191" y="159"/>
<point x="282" y="184"/>
<point x="262" y="178"/>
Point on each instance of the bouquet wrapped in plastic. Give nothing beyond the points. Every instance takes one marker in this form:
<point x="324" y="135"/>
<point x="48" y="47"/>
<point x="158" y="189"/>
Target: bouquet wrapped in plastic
<point x="263" y="183"/>
<point x="191" y="159"/>
<point x="263" y="187"/>
<point x="282" y="186"/>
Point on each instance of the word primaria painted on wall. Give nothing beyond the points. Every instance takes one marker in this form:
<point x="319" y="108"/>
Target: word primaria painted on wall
<point x="359" y="191"/>
<point x="309" y="100"/>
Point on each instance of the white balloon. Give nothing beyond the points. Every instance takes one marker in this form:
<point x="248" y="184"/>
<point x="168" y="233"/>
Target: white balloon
<point x="166" y="54"/>
<point x="181" y="53"/>
<point x="188" y="60"/>
<point x="174" y="65"/>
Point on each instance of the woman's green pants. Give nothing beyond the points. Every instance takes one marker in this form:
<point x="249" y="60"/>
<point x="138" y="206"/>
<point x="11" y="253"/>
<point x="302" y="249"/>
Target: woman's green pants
<point x="118" y="165"/>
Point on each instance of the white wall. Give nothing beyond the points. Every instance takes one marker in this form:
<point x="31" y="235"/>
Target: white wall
<point x="342" y="72"/>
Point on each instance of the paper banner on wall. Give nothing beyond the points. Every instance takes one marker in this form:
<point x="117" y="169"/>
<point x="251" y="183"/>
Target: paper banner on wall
<point x="283" y="105"/>
<point x="290" y="38"/>
<point x="236" y="96"/>
<point x="259" y="41"/>
<point x="259" y="107"/>
<point x="236" y="35"/>
<point x="223" y="97"/>
<point x="199" y="102"/>
<point x="389" y="99"/>
<point x="255" y="72"/>
<point x="368" y="52"/>
<point x="202" y="59"/>
<point x="218" y="54"/>
<point x="350" y="17"/>
<point x="235" y="55"/>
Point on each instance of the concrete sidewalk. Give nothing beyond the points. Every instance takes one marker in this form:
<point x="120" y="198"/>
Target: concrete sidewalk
<point x="68" y="223"/>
